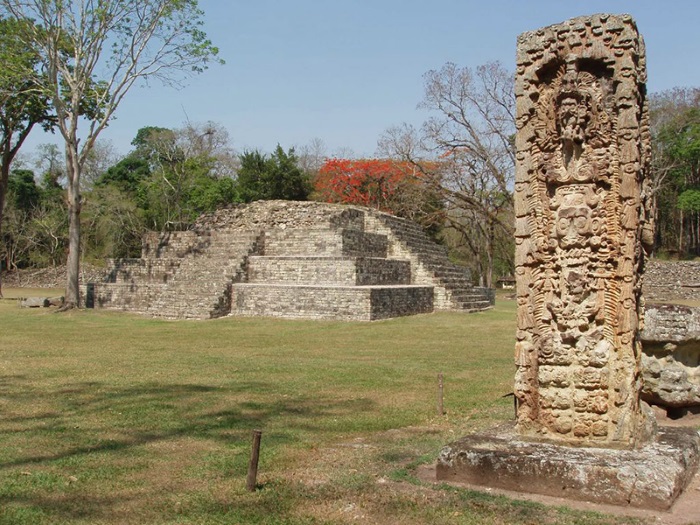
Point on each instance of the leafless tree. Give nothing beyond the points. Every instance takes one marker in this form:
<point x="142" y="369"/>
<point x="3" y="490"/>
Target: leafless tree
<point x="312" y="156"/>
<point x="466" y="150"/>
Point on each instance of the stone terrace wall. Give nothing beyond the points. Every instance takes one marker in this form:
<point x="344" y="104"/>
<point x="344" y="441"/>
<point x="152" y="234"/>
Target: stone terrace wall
<point x="290" y="259"/>
<point x="282" y="215"/>
<point x="672" y="281"/>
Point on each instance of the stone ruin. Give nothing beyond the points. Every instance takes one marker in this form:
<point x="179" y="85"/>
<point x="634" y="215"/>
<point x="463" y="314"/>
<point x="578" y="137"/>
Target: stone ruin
<point x="671" y="336"/>
<point x="292" y="260"/>
<point x="671" y="358"/>
<point x="582" y="228"/>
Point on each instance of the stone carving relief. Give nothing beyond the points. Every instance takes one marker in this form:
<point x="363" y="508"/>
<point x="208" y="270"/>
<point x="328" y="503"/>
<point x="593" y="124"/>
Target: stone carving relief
<point x="581" y="218"/>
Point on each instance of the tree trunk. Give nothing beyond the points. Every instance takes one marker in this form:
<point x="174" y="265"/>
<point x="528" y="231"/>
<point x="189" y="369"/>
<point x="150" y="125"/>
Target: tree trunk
<point x="680" y="236"/>
<point x="4" y="180"/>
<point x="74" y="205"/>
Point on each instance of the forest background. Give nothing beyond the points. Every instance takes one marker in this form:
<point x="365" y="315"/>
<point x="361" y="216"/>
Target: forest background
<point x="453" y="174"/>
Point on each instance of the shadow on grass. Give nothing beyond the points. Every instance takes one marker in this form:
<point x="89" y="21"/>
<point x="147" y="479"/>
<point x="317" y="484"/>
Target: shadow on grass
<point x="94" y="430"/>
<point x="120" y="418"/>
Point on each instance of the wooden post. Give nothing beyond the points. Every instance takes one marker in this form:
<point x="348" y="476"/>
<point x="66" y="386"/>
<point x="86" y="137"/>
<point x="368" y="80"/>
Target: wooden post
<point x="440" y="405"/>
<point x="251" y="482"/>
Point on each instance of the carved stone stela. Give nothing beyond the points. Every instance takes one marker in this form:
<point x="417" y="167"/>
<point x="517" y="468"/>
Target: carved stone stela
<point x="581" y="227"/>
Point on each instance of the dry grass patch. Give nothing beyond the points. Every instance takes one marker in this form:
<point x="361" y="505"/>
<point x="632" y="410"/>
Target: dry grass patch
<point x="110" y="418"/>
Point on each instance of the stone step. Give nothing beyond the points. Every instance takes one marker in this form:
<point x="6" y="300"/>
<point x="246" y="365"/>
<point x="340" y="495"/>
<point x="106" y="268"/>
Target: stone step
<point x="350" y="303"/>
<point x="325" y="242"/>
<point x="344" y="271"/>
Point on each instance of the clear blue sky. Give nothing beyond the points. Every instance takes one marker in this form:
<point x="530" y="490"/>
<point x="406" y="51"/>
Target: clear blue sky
<point x="346" y="70"/>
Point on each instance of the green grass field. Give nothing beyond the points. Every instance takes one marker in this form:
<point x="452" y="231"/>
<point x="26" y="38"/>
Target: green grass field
<point x="110" y="418"/>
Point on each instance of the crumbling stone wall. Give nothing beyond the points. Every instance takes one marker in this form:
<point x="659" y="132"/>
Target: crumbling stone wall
<point x="290" y="259"/>
<point x="672" y="281"/>
<point x="671" y="359"/>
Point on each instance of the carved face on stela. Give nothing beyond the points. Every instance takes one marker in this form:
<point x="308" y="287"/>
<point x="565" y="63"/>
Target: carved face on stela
<point x="573" y="101"/>
<point x="577" y="222"/>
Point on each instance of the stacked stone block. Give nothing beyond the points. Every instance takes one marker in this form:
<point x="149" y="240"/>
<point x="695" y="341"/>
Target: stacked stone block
<point x="430" y="264"/>
<point x="328" y="272"/>
<point x="289" y="259"/>
<point x="181" y="275"/>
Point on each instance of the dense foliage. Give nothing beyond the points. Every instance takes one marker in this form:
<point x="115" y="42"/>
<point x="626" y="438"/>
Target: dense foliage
<point x="275" y="177"/>
<point x="389" y="185"/>
<point x="675" y="119"/>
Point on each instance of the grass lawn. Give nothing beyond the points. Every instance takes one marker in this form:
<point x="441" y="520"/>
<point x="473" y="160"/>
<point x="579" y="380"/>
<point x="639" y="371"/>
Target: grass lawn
<point x="112" y="418"/>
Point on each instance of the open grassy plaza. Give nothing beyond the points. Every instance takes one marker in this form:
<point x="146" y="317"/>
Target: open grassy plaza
<point x="114" y="418"/>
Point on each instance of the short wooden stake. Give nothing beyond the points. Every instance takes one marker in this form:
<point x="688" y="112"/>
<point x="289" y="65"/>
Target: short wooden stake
<point x="441" y="391"/>
<point x="252" y="480"/>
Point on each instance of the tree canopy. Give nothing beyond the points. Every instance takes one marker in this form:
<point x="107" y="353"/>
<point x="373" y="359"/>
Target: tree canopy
<point x="92" y="53"/>
<point x="278" y="176"/>
<point x="23" y="104"/>
<point x="675" y="125"/>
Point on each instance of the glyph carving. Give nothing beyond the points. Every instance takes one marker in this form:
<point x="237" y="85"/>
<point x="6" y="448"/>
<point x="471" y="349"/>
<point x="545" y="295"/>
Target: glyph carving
<point x="581" y="217"/>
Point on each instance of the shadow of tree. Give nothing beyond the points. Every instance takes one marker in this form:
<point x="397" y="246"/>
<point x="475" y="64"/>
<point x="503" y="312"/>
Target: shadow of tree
<point x="179" y="410"/>
<point x="44" y="430"/>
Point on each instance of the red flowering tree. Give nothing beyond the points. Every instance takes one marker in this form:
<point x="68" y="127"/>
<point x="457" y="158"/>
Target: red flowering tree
<point x="389" y="185"/>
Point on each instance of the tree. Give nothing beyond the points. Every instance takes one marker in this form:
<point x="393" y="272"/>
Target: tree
<point x="275" y="177"/>
<point x="22" y="103"/>
<point x="469" y="143"/>
<point x="675" y="173"/>
<point x="192" y="171"/>
<point x="127" y="175"/>
<point x="23" y="190"/>
<point x="112" y="44"/>
<point x="101" y="158"/>
<point x="36" y="223"/>
<point x="389" y="185"/>
<point x="312" y="156"/>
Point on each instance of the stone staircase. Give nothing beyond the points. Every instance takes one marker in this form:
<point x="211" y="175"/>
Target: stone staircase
<point x="430" y="264"/>
<point x="289" y="259"/>
<point x="181" y="275"/>
<point x="326" y="272"/>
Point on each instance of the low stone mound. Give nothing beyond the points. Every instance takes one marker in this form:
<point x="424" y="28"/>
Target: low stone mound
<point x="289" y="259"/>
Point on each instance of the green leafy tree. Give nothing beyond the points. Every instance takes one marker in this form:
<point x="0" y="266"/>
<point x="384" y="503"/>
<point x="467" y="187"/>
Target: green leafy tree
<point x="23" y="190"/>
<point x="191" y="173"/>
<point x="275" y="177"/>
<point x="22" y="103"/>
<point x="113" y="44"/>
<point x="114" y="223"/>
<point x="675" y="126"/>
<point x="128" y="175"/>
<point x="36" y="232"/>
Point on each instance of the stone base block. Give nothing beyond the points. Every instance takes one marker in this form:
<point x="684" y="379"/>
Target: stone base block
<point x="651" y="477"/>
<point x="338" y="271"/>
<point x="348" y="303"/>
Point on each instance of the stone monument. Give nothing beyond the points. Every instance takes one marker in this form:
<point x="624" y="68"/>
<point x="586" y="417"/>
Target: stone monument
<point x="583" y="151"/>
<point x="582" y="228"/>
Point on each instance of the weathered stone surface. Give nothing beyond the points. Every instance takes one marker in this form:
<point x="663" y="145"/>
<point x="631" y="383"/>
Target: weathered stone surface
<point x="581" y="221"/>
<point x="41" y="302"/>
<point x="342" y="303"/>
<point x="290" y="259"/>
<point x="671" y="281"/>
<point x="34" y="302"/>
<point x="651" y="477"/>
<point x="56" y="301"/>
<point x="671" y="358"/>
